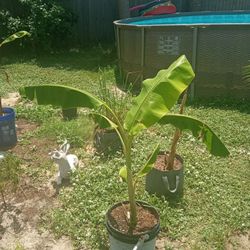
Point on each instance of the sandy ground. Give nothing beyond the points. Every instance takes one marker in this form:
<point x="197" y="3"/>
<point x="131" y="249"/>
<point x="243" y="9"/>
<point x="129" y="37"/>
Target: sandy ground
<point x="20" y="219"/>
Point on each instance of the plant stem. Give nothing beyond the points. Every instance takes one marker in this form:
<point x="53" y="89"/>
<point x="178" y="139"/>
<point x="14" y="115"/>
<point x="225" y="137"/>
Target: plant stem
<point x="126" y="141"/>
<point x="177" y="135"/>
<point x="1" y="107"/>
<point x="8" y="81"/>
<point x="131" y="188"/>
<point x="171" y="156"/>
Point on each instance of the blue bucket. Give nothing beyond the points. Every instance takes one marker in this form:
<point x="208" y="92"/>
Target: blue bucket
<point x="8" y="137"/>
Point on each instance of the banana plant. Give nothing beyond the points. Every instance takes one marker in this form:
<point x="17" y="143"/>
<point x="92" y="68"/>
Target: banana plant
<point x="9" y="39"/>
<point x="157" y="97"/>
<point x="199" y="130"/>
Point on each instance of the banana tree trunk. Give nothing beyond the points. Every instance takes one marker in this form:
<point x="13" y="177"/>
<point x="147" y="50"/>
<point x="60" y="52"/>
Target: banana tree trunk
<point x="177" y="135"/>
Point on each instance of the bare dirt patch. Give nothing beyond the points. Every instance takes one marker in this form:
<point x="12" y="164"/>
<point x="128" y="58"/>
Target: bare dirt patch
<point x="239" y="241"/>
<point x="36" y="195"/>
<point x="35" y="150"/>
<point x="166" y="243"/>
<point x="11" y="100"/>
<point x="236" y="241"/>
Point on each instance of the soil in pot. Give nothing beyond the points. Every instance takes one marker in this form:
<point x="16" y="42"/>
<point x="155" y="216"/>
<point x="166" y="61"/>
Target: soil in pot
<point x="161" y="159"/>
<point x="163" y="182"/>
<point x="146" y="219"/>
<point x="122" y="237"/>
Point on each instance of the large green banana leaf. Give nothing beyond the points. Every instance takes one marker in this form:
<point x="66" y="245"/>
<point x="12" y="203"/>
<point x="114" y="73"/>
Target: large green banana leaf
<point x="159" y="95"/>
<point x="199" y="130"/>
<point x="15" y="36"/>
<point x="57" y="95"/>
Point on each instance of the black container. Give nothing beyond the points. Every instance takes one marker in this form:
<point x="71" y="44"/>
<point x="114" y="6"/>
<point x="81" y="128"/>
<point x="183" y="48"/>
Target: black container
<point x="166" y="183"/>
<point x="128" y="241"/>
<point x="106" y="140"/>
<point x="8" y="137"/>
<point x="69" y="114"/>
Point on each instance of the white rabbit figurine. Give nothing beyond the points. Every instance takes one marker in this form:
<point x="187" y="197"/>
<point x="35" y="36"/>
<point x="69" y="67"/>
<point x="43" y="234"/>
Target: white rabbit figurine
<point x="66" y="163"/>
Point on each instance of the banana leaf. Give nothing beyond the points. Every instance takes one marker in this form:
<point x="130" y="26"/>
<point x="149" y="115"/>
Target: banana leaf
<point x="246" y="75"/>
<point x="159" y="95"/>
<point x="57" y="95"/>
<point x="150" y="162"/>
<point x="123" y="173"/>
<point x="199" y="130"/>
<point x="103" y="121"/>
<point x="15" y="36"/>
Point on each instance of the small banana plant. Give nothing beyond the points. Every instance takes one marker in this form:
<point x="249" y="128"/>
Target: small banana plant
<point x="199" y="130"/>
<point x="9" y="39"/>
<point x="157" y="97"/>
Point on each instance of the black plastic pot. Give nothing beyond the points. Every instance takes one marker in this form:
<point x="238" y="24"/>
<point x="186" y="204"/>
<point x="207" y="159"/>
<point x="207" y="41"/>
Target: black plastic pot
<point x="121" y="241"/>
<point x="106" y="140"/>
<point x="166" y="183"/>
<point x="69" y="114"/>
<point x="8" y="137"/>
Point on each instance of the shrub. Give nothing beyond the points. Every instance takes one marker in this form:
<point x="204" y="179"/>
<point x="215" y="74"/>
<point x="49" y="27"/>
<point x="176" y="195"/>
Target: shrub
<point x="48" y="22"/>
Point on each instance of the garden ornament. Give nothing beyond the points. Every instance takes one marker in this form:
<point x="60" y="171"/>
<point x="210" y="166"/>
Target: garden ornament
<point x="66" y="162"/>
<point x="2" y="155"/>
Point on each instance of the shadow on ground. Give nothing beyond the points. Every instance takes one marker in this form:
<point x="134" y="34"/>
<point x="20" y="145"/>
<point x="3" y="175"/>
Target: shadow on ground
<point x="241" y="105"/>
<point x="91" y="59"/>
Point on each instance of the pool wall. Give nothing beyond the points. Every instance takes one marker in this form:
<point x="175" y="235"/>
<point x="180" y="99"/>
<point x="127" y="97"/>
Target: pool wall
<point x="218" y="54"/>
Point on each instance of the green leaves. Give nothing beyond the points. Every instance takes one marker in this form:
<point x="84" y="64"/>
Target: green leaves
<point x="103" y="121"/>
<point x="159" y="95"/>
<point x="15" y="36"/>
<point x="123" y="173"/>
<point x="145" y="169"/>
<point x="149" y="164"/>
<point x="65" y="97"/>
<point x="246" y="75"/>
<point x="200" y="130"/>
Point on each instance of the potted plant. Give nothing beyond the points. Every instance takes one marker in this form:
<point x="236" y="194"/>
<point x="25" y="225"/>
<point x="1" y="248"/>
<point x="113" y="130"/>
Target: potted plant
<point x="106" y="139"/>
<point x="167" y="176"/>
<point x="8" y="136"/>
<point x="140" y="222"/>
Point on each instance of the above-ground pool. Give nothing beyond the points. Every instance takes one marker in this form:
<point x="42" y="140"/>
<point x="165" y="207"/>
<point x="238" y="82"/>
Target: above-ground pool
<point x="217" y="45"/>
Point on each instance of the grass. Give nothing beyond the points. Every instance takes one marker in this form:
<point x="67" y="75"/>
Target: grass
<point x="74" y="68"/>
<point x="77" y="131"/>
<point x="216" y="199"/>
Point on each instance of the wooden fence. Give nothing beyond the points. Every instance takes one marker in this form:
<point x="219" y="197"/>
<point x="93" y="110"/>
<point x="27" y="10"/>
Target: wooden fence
<point x="94" y="19"/>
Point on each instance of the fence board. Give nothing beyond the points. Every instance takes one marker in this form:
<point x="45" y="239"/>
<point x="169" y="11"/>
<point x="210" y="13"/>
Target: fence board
<point x="94" y="19"/>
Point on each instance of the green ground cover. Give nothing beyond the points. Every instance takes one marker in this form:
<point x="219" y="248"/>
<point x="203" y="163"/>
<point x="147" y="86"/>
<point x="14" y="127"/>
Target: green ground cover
<point x="216" y="196"/>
